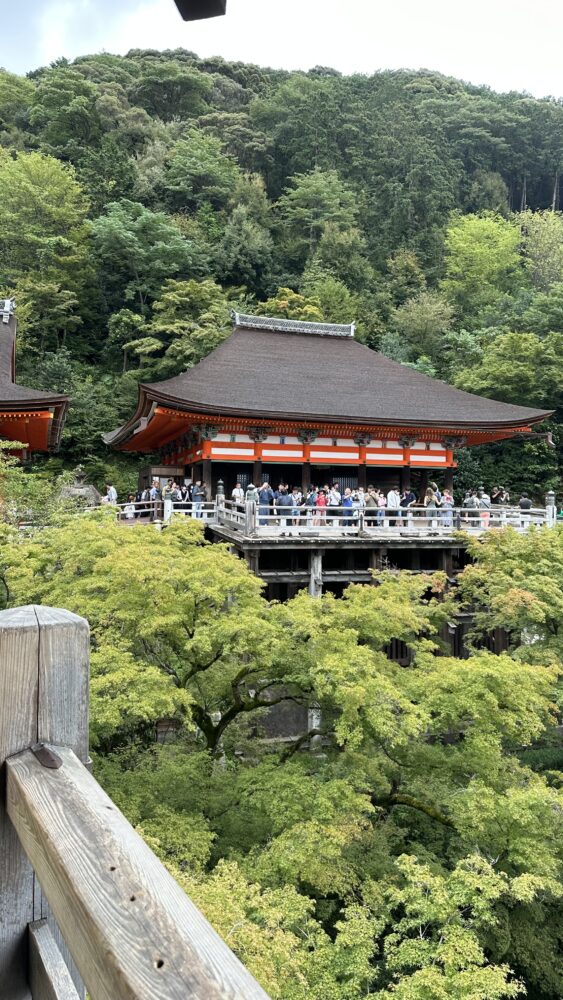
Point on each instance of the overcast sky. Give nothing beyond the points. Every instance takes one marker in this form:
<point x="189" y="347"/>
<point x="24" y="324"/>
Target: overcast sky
<point x="507" y="44"/>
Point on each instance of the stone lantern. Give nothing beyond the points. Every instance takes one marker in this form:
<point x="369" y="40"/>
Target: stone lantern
<point x="82" y="493"/>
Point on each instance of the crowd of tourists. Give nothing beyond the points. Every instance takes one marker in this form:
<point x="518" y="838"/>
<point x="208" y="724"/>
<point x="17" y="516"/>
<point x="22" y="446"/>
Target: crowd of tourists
<point x="184" y="497"/>
<point x="320" y="504"/>
<point x="317" y="505"/>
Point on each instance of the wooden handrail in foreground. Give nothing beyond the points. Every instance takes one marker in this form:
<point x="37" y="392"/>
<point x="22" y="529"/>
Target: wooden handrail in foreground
<point x="132" y="931"/>
<point x="75" y="878"/>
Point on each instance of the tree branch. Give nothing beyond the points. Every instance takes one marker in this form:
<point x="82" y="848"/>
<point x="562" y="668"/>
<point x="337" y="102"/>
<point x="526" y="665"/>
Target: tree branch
<point x="400" y="799"/>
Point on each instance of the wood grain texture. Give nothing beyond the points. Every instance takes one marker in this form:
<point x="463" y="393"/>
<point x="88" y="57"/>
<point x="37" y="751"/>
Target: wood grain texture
<point x="133" y="932"/>
<point x="64" y="669"/>
<point x="49" y="977"/>
<point x="19" y="651"/>
<point x="43" y="692"/>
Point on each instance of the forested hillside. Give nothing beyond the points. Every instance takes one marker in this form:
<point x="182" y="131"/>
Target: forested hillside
<point x="413" y="849"/>
<point x="141" y="197"/>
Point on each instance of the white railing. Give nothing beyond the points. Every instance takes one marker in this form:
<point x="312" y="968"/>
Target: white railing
<point x="366" y="521"/>
<point x="252" y="519"/>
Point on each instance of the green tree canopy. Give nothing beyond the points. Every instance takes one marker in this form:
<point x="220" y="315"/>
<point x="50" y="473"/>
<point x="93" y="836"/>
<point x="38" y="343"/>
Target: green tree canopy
<point x="138" y="249"/>
<point x="482" y="262"/>
<point x="312" y="201"/>
<point x="42" y="220"/>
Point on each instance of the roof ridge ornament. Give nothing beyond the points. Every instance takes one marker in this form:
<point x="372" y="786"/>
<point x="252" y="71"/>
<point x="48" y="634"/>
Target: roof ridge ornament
<point x="7" y="309"/>
<point x="276" y="324"/>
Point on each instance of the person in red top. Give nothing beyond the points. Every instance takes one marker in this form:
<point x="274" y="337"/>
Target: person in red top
<point x="321" y="506"/>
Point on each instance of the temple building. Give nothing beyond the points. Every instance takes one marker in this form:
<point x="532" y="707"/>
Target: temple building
<point x="30" y="417"/>
<point x="301" y="403"/>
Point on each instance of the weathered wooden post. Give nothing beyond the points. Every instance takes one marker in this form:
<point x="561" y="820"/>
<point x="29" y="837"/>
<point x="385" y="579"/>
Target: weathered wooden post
<point x="219" y="502"/>
<point x="316" y="573"/>
<point x="550" y="509"/>
<point x="44" y="656"/>
<point x="250" y="518"/>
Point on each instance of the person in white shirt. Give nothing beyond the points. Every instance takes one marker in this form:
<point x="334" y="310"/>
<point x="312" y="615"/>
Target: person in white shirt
<point x="393" y="505"/>
<point x="111" y="493"/>
<point x="237" y="495"/>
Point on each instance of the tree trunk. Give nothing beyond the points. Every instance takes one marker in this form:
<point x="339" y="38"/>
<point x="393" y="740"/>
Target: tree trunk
<point x="524" y="196"/>
<point x="555" y="199"/>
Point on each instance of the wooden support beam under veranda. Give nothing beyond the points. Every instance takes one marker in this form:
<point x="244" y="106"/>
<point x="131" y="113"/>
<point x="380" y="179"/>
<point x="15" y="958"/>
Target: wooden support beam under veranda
<point x="197" y="10"/>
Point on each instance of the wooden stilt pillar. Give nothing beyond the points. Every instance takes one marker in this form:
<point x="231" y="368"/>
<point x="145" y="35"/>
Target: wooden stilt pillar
<point x="362" y="476"/>
<point x="316" y="573"/>
<point x="423" y="482"/>
<point x="406" y="477"/>
<point x="448" y="562"/>
<point x="252" y="557"/>
<point x="449" y="479"/>
<point x="305" y="477"/>
<point x="257" y="472"/>
<point x="206" y="476"/>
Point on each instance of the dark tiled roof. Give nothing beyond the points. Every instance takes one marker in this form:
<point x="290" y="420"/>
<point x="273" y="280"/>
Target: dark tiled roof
<point x="265" y="371"/>
<point x="10" y="392"/>
<point x="16" y="398"/>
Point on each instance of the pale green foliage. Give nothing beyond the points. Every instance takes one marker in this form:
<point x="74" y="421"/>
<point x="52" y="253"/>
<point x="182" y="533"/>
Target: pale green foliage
<point x="336" y="303"/>
<point x="519" y="368"/>
<point x="125" y="698"/>
<point x="26" y="498"/>
<point x="172" y="601"/>
<point x="291" y="305"/>
<point x="292" y="855"/>
<point x="42" y="220"/>
<point x="47" y="313"/>
<point x="190" y="319"/>
<point x="423" y="322"/>
<point x="543" y="247"/>
<point x="516" y="582"/>
<point x="276" y="936"/>
<point x="482" y="261"/>
<point x="436" y="933"/>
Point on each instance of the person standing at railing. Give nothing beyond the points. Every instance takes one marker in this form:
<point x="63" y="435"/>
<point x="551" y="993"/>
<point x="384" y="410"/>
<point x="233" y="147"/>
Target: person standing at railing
<point x="381" y="502"/>
<point x="284" y="505"/>
<point x="237" y="495"/>
<point x="525" y="505"/>
<point x="296" y="498"/>
<point x="447" y="509"/>
<point x="371" y="507"/>
<point x="408" y="499"/>
<point x="334" y="501"/>
<point x="321" y="504"/>
<point x="484" y="503"/>
<point x="265" y="499"/>
<point x="348" y="504"/>
<point x="184" y="501"/>
<point x="431" y="503"/>
<point x="393" y="505"/>
<point x="310" y="504"/>
<point x="199" y="496"/>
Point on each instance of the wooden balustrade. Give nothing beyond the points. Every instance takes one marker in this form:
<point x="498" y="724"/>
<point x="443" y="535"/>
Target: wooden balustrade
<point x="82" y="897"/>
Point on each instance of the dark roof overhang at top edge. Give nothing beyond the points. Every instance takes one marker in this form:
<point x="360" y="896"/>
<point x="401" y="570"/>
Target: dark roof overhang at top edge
<point x="280" y="369"/>
<point x="198" y="10"/>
